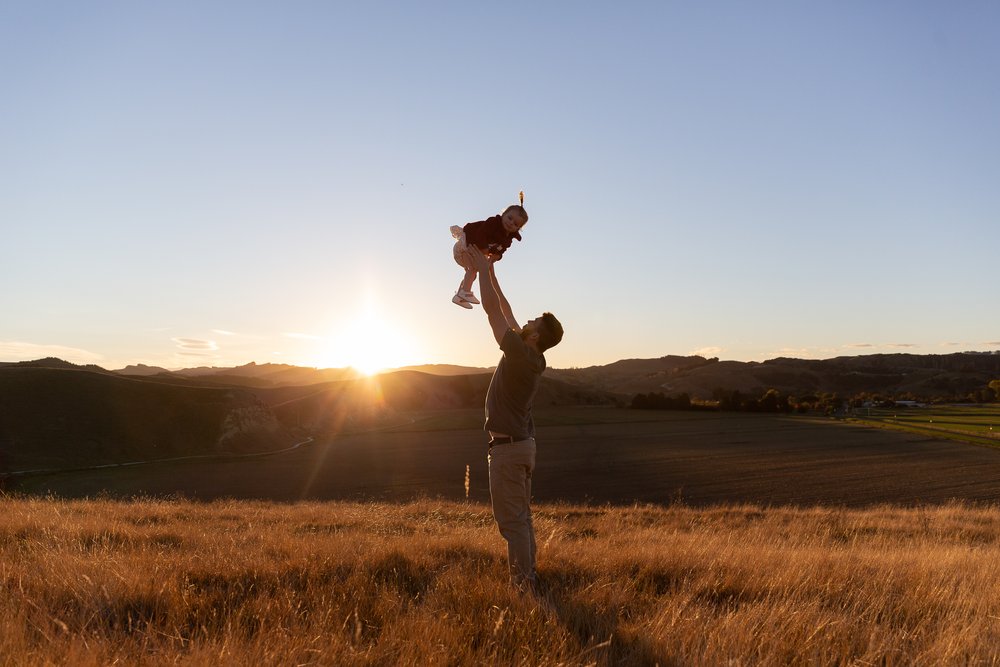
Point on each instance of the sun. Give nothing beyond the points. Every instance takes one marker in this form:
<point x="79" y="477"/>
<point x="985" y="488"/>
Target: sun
<point x="369" y="343"/>
<point x="367" y="358"/>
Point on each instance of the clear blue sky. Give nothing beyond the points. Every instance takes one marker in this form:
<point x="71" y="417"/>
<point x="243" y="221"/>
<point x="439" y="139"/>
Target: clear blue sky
<point x="192" y="183"/>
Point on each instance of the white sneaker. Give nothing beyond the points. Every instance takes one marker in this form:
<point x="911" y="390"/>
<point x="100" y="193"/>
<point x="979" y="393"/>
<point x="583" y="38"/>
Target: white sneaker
<point x="460" y="301"/>
<point x="468" y="296"/>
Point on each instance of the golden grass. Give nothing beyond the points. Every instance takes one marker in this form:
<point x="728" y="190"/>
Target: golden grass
<point x="155" y="582"/>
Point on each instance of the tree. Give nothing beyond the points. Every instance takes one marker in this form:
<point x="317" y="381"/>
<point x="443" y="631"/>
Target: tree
<point x="995" y="386"/>
<point x="770" y="401"/>
<point x="728" y="399"/>
<point x="640" y="402"/>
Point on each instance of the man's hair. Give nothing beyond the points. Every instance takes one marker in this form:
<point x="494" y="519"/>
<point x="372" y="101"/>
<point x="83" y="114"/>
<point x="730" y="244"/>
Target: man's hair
<point x="550" y="333"/>
<point x="518" y="208"/>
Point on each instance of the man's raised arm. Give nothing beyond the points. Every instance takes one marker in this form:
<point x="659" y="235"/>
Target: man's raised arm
<point x="494" y="302"/>
<point x="508" y="314"/>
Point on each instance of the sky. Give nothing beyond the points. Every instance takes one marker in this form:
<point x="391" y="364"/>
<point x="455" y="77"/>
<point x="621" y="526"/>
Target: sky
<point x="209" y="184"/>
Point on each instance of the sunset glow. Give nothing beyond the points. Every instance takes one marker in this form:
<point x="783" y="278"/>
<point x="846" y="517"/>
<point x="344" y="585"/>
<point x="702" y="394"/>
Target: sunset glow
<point x="369" y="343"/>
<point x="730" y="180"/>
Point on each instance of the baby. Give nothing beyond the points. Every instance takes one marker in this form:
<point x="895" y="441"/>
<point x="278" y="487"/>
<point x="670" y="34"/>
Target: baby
<point x="493" y="236"/>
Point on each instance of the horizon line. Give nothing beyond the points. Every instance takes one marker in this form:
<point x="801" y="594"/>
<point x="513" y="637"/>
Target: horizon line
<point x="483" y="368"/>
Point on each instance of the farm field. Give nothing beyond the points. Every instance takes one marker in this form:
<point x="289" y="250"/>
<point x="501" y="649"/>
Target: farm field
<point x="90" y="583"/>
<point x="590" y="456"/>
<point x="979" y="424"/>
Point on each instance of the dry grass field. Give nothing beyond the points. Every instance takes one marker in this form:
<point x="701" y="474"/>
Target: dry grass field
<point x="151" y="582"/>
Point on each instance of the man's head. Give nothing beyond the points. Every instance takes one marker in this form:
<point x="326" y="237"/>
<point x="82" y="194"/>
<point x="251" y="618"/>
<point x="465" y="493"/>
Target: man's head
<point x="513" y="218"/>
<point x="544" y="332"/>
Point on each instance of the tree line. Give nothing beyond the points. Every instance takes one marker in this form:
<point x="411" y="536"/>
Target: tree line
<point x="732" y="401"/>
<point x="772" y="400"/>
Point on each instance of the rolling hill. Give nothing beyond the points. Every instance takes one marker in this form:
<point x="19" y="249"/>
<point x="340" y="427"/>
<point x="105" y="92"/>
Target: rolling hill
<point x="924" y="376"/>
<point x="68" y="417"/>
<point x="384" y="399"/>
<point x="57" y="415"/>
<point x="248" y="375"/>
<point x="54" y="414"/>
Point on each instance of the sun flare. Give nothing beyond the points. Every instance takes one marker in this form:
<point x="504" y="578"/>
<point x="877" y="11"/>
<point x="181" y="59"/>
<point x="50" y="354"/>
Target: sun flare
<point x="370" y="343"/>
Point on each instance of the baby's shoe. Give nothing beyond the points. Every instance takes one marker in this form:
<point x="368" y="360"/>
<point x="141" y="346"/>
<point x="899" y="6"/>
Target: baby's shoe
<point x="468" y="296"/>
<point x="460" y="301"/>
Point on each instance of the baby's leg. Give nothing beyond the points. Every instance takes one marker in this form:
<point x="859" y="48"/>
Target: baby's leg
<point x="470" y="277"/>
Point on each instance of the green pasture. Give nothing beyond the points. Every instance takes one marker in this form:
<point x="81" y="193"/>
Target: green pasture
<point x="976" y="424"/>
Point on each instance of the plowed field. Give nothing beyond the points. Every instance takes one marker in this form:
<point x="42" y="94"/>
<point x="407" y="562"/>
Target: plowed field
<point x="592" y="455"/>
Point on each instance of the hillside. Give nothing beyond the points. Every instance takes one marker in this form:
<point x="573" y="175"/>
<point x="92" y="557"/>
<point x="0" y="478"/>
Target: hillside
<point x="926" y="377"/>
<point x="141" y="370"/>
<point x="57" y="415"/>
<point x="248" y="375"/>
<point x="631" y="376"/>
<point x="446" y="369"/>
<point x="923" y="376"/>
<point x="66" y="417"/>
<point x="336" y="406"/>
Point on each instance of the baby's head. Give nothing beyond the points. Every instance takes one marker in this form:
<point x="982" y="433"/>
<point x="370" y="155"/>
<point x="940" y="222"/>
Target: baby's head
<point x="514" y="217"/>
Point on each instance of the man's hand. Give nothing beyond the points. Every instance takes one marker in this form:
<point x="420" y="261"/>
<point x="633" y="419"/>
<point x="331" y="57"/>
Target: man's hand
<point x="480" y="262"/>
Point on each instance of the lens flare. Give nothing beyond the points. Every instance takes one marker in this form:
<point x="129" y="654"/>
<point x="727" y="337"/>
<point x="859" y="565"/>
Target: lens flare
<point x="369" y="342"/>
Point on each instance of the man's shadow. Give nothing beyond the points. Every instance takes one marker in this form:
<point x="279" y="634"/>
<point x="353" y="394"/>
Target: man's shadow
<point x="596" y="629"/>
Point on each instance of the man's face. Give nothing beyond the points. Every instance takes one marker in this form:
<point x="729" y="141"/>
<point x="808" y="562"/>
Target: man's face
<point x="513" y="221"/>
<point x="531" y="327"/>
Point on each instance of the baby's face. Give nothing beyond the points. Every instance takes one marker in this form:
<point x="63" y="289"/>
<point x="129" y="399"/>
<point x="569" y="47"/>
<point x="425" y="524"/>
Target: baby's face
<point x="513" y="221"/>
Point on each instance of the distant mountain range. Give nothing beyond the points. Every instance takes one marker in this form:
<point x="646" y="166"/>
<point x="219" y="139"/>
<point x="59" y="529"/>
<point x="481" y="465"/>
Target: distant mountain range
<point x="946" y="376"/>
<point x="54" y="414"/>
<point x="252" y="374"/>
<point x="925" y="376"/>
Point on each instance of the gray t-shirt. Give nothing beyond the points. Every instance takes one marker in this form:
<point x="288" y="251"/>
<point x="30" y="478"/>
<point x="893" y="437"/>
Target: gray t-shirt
<point x="513" y="387"/>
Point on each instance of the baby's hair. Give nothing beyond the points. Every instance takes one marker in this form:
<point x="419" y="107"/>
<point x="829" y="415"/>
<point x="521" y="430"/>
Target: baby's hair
<point x="518" y="208"/>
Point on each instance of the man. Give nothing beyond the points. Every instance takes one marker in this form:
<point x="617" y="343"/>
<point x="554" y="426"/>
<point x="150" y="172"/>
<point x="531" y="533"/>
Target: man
<point x="508" y="418"/>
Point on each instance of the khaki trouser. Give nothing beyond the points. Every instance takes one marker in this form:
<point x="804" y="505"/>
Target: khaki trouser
<point x="511" y="466"/>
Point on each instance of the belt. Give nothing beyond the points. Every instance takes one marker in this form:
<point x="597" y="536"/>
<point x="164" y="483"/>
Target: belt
<point x="505" y="440"/>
